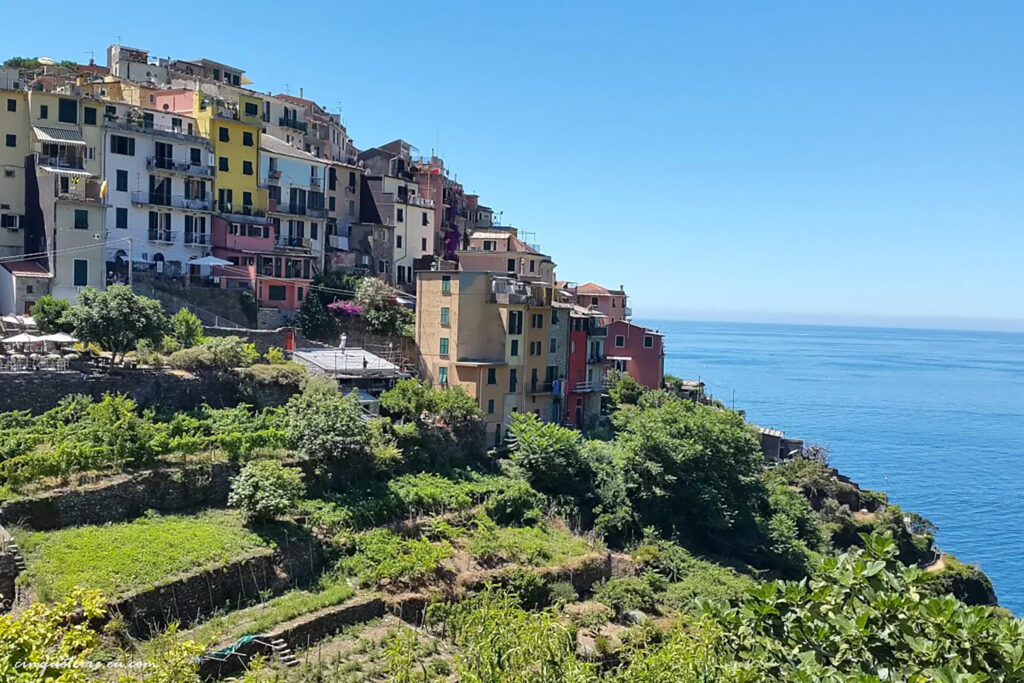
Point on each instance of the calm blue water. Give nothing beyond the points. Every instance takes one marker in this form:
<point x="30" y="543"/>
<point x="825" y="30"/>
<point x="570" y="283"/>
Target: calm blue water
<point x="935" y="418"/>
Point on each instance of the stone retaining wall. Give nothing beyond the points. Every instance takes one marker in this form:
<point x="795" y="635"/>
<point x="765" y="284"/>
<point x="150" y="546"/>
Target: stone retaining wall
<point x="232" y="585"/>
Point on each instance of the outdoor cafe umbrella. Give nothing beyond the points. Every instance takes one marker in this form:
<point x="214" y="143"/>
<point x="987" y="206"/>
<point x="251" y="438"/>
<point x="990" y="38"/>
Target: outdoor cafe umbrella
<point x="23" y="338"/>
<point x="209" y="261"/>
<point x="58" y="338"/>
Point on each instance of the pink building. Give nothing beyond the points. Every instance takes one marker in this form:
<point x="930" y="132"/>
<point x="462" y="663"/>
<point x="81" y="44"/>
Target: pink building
<point x="637" y="351"/>
<point x="610" y="302"/>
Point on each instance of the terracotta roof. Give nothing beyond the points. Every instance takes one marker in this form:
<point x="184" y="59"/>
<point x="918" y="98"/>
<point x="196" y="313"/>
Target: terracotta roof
<point x="591" y="288"/>
<point x="25" y="268"/>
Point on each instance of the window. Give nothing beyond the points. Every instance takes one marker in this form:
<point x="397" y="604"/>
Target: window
<point x="252" y="109"/>
<point x="401" y="216"/>
<point x="492" y="375"/>
<point x="81" y="272"/>
<point x="122" y="219"/>
<point x="398" y="242"/>
<point x="613" y="303"/>
<point x="222" y="164"/>
<point x="247" y="138"/>
<point x="81" y="219"/>
<point x="67" y="110"/>
<point x="620" y="341"/>
<point x="648" y="341"/>
<point x="535" y="347"/>
<point x="247" y="167"/>
<point x="122" y="181"/>
<point x="446" y="284"/>
<point x="44" y="111"/>
<point x="497" y="435"/>
<point x="224" y="135"/>
<point x="89" y="116"/>
<point x="277" y="292"/>
<point x="444" y="346"/>
<point x="553" y="345"/>
<point x="8" y="220"/>
<point x="537" y="321"/>
<point x="9" y="173"/>
<point x="352" y="208"/>
<point x="512" y="379"/>
<point x="515" y="322"/>
<point x="490" y="406"/>
<point x="119" y="144"/>
<point x="442" y="375"/>
<point x="313" y="228"/>
<point x="330" y="204"/>
<point x="423" y="243"/>
<point x="445" y="315"/>
<point x="11" y="140"/>
<point x="351" y="178"/>
<point x="299" y="294"/>
<point x="247" y="201"/>
<point x="532" y="265"/>
<point x="426" y="221"/>
<point x="593" y="301"/>
<point x="511" y="265"/>
<point x="12" y="104"/>
<point x="514" y="348"/>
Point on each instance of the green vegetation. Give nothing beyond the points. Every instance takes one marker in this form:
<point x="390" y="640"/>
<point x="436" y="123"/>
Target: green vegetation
<point x="186" y="328"/>
<point x="265" y="490"/>
<point x="381" y="555"/>
<point x="541" y="545"/>
<point x="381" y="310"/>
<point x="49" y="315"/>
<point x="120" y="558"/>
<point x="115" y="319"/>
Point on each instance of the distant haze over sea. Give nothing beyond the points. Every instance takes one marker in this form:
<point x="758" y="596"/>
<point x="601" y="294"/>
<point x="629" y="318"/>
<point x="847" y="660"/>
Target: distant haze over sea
<point x="933" y="417"/>
<point x="836" y="319"/>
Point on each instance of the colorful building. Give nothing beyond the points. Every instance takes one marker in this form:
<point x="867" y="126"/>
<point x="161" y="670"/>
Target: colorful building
<point x="637" y="351"/>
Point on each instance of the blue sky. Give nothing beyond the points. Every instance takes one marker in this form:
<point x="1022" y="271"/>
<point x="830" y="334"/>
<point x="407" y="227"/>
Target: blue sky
<point x="850" y="162"/>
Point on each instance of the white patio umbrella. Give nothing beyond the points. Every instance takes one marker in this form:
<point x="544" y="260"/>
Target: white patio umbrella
<point x="23" y="338"/>
<point x="209" y="261"/>
<point x="58" y="338"/>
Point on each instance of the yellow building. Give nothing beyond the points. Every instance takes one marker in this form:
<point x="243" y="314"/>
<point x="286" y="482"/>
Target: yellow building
<point x="487" y="334"/>
<point x="15" y="145"/>
<point x="234" y="128"/>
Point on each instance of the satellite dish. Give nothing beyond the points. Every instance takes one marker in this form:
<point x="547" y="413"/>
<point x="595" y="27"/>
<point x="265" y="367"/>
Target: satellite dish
<point x="46" y="61"/>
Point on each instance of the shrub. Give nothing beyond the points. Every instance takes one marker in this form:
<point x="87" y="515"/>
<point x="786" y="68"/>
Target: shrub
<point x="196" y="358"/>
<point x="315" y="321"/>
<point x="230" y="352"/>
<point x="517" y="505"/>
<point x="285" y="374"/>
<point x="328" y="427"/>
<point x="528" y="586"/>
<point x="274" y="356"/>
<point x="186" y="328"/>
<point x="623" y="389"/>
<point x="625" y="594"/>
<point x="49" y="315"/>
<point x="265" y="489"/>
<point x="381" y="554"/>
<point x="116" y="319"/>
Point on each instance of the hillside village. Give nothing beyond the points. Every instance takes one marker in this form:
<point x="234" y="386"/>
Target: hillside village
<point x="277" y="408"/>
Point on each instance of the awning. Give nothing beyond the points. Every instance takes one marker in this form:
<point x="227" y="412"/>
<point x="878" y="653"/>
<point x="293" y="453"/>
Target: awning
<point x="58" y="136"/>
<point x="73" y="172"/>
<point x="618" y="357"/>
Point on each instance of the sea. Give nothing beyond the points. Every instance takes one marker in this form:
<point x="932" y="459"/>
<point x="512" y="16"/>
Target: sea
<point x="933" y="418"/>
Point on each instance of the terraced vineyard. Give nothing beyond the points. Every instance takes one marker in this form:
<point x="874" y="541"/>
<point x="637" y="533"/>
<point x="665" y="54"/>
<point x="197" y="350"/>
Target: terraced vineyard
<point x="398" y="548"/>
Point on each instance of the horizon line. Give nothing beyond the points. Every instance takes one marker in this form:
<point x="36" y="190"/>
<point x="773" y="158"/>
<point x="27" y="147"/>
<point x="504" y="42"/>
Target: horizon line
<point x="890" y="322"/>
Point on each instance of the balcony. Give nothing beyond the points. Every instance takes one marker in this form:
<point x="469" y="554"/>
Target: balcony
<point x="174" y="201"/>
<point x="161" y="235"/>
<point x="293" y="123"/>
<point x="74" y="163"/>
<point x="414" y="200"/>
<point x="197" y="239"/>
<point x="598" y="331"/>
<point x="150" y="129"/>
<point x="595" y="359"/>
<point x="539" y="387"/>
<point x="588" y="387"/>
<point x="163" y="164"/>
<point x="289" y="242"/>
<point x="316" y="182"/>
<point x="298" y="210"/>
<point x="339" y="242"/>
<point x="241" y="212"/>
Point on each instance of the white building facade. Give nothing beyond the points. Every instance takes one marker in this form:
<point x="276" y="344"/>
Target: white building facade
<point x="295" y="184"/>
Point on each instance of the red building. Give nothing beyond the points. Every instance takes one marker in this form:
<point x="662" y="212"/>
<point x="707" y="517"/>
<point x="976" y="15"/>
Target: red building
<point x="637" y="351"/>
<point x="275" y="269"/>
<point x="586" y="368"/>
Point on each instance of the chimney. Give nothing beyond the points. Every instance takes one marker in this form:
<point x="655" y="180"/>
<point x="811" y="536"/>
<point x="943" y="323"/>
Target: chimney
<point x="300" y="92"/>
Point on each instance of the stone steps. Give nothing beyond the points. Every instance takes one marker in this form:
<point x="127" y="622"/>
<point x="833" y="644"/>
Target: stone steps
<point x="284" y="653"/>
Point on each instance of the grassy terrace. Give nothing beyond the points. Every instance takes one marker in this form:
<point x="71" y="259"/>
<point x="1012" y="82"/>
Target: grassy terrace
<point x="120" y="558"/>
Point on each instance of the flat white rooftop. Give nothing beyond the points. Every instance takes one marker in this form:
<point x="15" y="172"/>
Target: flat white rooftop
<point x="348" y="362"/>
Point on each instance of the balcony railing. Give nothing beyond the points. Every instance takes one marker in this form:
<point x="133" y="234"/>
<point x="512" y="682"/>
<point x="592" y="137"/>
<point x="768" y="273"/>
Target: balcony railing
<point x="293" y="123"/>
<point x="338" y="242"/>
<point x="161" y="235"/>
<point x="539" y="387"/>
<point x="87" y="196"/>
<point x="244" y="210"/>
<point x="197" y="239"/>
<point x="588" y="387"/>
<point x="598" y="331"/>
<point x="161" y="163"/>
<point x="174" y="201"/>
<point x="414" y="200"/>
<point x="292" y="242"/>
<point x="161" y="131"/>
<point x="300" y="210"/>
<point x="73" y="163"/>
<point x="595" y="359"/>
<point x="315" y="182"/>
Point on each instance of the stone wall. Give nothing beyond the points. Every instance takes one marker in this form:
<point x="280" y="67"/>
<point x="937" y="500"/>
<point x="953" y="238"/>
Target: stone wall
<point x="232" y="585"/>
<point x="297" y="634"/>
<point x="40" y="391"/>
<point x="123" y="497"/>
<point x="9" y="570"/>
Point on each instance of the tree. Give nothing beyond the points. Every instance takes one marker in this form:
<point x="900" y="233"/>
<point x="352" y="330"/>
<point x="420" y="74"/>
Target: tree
<point x="623" y="389"/>
<point x="381" y="310"/>
<point x="315" y="321"/>
<point x="116" y="319"/>
<point x="49" y="315"/>
<point x="328" y="427"/>
<point x="186" y="328"/>
<point x="265" y="489"/>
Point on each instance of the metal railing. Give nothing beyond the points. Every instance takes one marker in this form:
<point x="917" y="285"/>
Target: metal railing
<point x="588" y="387"/>
<point x="162" y="131"/>
<point x="240" y="209"/>
<point x="74" y="163"/>
<point x="173" y="201"/>
<point x="161" y="235"/>
<point x="300" y="210"/>
<point x="539" y="387"/>
<point x="293" y="123"/>
<point x="162" y="163"/>
<point x="197" y="239"/>
<point x="291" y="242"/>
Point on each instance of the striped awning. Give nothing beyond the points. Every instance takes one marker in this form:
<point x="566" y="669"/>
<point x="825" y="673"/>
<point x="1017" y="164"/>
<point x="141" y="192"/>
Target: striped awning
<point x="59" y="170"/>
<point x="58" y="136"/>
